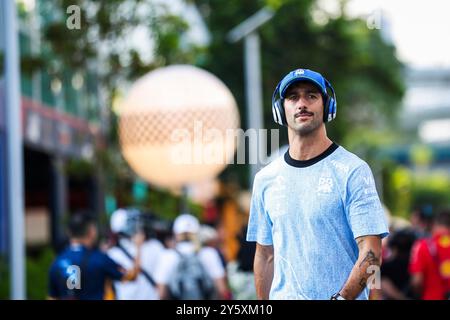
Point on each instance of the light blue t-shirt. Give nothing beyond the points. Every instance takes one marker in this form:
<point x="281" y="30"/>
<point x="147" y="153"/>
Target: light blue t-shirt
<point x="311" y="212"/>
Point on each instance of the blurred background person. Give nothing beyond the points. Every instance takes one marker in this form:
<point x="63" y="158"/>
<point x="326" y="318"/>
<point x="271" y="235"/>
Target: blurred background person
<point x="430" y="261"/>
<point x="209" y="237"/>
<point x="162" y="229"/>
<point x="395" y="280"/>
<point x="189" y="272"/>
<point x="125" y="224"/>
<point x="241" y="271"/>
<point x="421" y="220"/>
<point x="81" y="271"/>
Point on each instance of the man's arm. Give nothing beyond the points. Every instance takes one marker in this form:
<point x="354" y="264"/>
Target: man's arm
<point x="263" y="269"/>
<point x="369" y="256"/>
<point x="222" y="288"/>
<point x="163" y="291"/>
<point x="131" y="275"/>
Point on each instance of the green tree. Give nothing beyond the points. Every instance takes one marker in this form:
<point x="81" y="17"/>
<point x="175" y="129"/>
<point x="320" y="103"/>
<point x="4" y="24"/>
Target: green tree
<point x="103" y="45"/>
<point x="104" y="38"/>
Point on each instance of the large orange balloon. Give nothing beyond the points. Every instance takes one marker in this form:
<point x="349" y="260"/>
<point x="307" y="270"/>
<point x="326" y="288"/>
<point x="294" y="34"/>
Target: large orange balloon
<point x="178" y="125"/>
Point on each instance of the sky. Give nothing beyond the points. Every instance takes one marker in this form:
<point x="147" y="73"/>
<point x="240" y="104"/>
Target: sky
<point x="419" y="29"/>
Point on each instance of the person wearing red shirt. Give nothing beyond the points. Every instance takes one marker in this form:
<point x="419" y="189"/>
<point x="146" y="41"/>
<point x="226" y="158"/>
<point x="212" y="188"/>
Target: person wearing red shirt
<point x="430" y="261"/>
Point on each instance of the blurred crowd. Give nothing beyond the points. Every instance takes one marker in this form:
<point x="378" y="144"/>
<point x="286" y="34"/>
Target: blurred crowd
<point x="416" y="257"/>
<point x="146" y="258"/>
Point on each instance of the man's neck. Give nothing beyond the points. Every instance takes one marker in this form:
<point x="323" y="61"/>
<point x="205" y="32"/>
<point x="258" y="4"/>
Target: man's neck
<point x="309" y="146"/>
<point x="80" y="242"/>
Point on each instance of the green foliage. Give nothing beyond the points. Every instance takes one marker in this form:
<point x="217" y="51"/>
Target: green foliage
<point x="37" y="274"/>
<point x="408" y="189"/>
<point x="105" y="33"/>
<point x="37" y="267"/>
<point x="432" y="189"/>
<point x="168" y="206"/>
<point x="368" y="144"/>
<point x="104" y="40"/>
<point x="421" y="155"/>
<point x="400" y="187"/>
<point x="4" y="278"/>
<point x="79" y="168"/>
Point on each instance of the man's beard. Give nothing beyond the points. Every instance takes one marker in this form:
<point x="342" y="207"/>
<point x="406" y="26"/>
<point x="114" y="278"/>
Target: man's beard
<point x="304" y="129"/>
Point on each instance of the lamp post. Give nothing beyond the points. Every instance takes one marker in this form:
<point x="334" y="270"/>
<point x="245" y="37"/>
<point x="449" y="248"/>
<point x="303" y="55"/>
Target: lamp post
<point x="247" y="30"/>
<point x="15" y="198"/>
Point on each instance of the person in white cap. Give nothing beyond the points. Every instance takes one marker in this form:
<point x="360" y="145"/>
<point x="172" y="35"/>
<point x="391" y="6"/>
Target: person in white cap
<point x="125" y="224"/>
<point x="173" y="272"/>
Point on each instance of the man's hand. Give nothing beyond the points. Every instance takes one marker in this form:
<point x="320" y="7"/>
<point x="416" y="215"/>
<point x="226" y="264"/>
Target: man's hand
<point x="139" y="238"/>
<point x="369" y="256"/>
<point x="263" y="269"/>
<point x="131" y="275"/>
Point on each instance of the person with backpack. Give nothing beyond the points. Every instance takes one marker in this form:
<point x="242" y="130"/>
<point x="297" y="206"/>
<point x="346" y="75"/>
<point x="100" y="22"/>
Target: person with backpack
<point x="187" y="271"/>
<point x="81" y="271"/>
<point x="430" y="261"/>
<point x="125" y="223"/>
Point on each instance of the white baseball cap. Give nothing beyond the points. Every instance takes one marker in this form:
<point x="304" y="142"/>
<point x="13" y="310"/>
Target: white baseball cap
<point x="186" y="223"/>
<point x="118" y="221"/>
<point x="207" y="233"/>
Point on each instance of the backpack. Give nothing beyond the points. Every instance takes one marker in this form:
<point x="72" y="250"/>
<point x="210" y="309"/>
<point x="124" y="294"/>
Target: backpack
<point x="190" y="281"/>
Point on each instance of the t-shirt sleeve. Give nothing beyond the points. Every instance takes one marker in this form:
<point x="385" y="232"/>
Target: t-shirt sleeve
<point x="111" y="268"/>
<point x="418" y="260"/>
<point x="363" y="207"/>
<point x="259" y="223"/>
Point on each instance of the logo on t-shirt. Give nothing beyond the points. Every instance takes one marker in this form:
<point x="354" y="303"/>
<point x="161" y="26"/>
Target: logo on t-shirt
<point x="325" y="185"/>
<point x="369" y="184"/>
<point x="444" y="268"/>
<point x="444" y="241"/>
<point x="340" y="166"/>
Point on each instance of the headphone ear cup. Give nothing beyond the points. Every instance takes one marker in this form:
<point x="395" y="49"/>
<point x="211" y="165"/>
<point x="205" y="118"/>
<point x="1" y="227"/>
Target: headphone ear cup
<point x="329" y="110"/>
<point x="326" y="108"/>
<point x="278" y="112"/>
<point x="332" y="111"/>
<point x="282" y="114"/>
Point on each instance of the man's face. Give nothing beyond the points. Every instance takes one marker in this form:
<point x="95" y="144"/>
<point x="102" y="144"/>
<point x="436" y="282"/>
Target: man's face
<point x="92" y="234"/>
<point x="303" y="107"/>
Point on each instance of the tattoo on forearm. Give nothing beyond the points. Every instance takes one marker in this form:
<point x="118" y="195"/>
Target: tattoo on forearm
<point x="363" y="282"/>
<point x="371" y="259"/>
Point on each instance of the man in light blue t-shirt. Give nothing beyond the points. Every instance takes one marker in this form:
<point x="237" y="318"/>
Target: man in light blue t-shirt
<point x="315" y="212"/>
